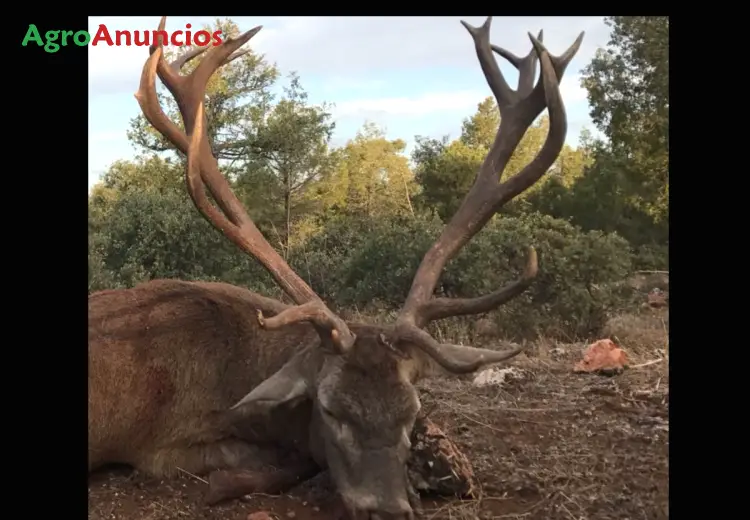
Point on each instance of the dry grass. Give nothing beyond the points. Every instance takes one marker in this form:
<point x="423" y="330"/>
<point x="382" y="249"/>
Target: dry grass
<point x="642" y="334"/>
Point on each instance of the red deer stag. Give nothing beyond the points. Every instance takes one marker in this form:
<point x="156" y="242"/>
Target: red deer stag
<point x="212" y="378"/>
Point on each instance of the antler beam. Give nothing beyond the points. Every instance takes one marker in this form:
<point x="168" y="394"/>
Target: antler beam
<point x="203" y="172"/>
<point x="518" y="109"/>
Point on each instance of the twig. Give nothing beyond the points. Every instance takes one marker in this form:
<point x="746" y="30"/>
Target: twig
<point x="647" y="363"/>
<point x="196" y="477"/>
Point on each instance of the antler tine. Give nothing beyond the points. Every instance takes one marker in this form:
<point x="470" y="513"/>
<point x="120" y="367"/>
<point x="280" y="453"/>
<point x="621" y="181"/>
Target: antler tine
<point x="526" y="66"/>
<point x="185" y="57"/>
<point x="203" y="172"/>
<point x="439" y="308"/>
<point x="519" y="109"/>
<point x="454" y="363"/>
<point x="481" y="35"/>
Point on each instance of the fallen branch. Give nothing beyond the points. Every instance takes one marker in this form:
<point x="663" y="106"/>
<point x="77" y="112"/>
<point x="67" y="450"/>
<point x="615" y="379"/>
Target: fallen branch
<point x="647" y="363"/>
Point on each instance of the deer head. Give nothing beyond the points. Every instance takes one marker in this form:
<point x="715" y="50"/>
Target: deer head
<point x="361" y="378"/>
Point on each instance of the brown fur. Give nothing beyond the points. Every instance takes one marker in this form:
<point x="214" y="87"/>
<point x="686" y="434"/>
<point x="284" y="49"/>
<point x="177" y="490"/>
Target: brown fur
<point x="165" y="357"/>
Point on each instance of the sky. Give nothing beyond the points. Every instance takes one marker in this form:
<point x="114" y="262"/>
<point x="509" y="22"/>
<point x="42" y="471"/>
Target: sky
<point x="409" y="75"/>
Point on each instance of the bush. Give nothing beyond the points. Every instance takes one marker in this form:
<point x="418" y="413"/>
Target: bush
<point x="652" y="257"/>
<point x="573" y="293"/>
<point x="370" y="264"/>
<point x="148" y="235"/>
<point x="366" y="262"/>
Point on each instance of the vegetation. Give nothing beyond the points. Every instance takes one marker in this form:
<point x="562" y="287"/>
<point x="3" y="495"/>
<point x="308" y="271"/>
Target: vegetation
<point x="355" y="221"/>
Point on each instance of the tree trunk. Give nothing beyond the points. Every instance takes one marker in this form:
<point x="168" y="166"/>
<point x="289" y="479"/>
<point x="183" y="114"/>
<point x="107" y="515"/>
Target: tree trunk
<point x="287" y="214"/>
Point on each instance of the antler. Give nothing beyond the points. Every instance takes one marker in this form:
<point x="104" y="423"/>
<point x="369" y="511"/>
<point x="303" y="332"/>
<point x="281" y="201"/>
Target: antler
<point x="203" y="171"/>
<point x="518" y="110"/>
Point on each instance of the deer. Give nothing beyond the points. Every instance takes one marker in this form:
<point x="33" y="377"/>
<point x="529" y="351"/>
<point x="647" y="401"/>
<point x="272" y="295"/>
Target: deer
<point x="212" y="379"/>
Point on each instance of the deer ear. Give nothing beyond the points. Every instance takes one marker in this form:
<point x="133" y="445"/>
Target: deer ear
<point x="288" y="386"/>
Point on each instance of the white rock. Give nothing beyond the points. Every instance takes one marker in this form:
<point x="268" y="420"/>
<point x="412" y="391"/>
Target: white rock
<point x="494" y="376"/>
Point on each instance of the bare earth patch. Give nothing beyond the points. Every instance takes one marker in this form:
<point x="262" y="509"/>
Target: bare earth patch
<point x="545" y="444"/>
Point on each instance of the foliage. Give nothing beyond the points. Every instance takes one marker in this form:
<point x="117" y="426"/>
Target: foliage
<point x="287" y="151"/>
<point x="628" y="89"/>
<point x="371" y="178"/>
<point x="628" y="86"/>
<point x="624" y="186"/>
<point x="446" y="171"/>
<point x="150" y="235"/>
<point x="358" y="261"/>
<point x="570" y="296"/>
<point x="364" y="263"/>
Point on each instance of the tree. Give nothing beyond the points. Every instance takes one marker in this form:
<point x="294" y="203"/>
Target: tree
<point x="142" y="225"/>
<point x="445" y="171"/>
<point x="371" y="177"/>
<point x="479" y="130"/>
<point x="288" y="149"/>
<point x="147" y="173"/>
<point x="238" y="95"/>
<point x="628" y="90"/>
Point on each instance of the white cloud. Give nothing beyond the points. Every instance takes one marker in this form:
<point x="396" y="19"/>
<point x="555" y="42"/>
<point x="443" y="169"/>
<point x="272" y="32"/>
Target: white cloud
<point x="427" y="103"/>
<point x="354" y="44"/>
<point x="339" y="84"/>
<point x="571" y="89"/>
<point x="345" y="47"/>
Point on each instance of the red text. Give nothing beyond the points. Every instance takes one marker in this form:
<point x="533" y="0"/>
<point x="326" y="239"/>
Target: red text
<point x="146" y="38"/>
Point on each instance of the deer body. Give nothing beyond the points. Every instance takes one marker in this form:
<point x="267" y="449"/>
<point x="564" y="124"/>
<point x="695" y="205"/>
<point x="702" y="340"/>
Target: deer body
<point x="182" y="353"/>
<point x="206" y="376"/>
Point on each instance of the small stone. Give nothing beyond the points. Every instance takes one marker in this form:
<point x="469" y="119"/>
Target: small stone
<point x="291" y="514"/>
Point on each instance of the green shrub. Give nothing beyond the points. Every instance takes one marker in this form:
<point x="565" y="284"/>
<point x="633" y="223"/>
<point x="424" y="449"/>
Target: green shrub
<point x="148" y="235"/>
<point x="370" y="264"/>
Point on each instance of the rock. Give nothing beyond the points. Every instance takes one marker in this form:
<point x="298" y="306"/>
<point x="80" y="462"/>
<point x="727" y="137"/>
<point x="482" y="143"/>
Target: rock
<point x="436" y="465"/>
<point x="557" y="352"/>
<point x="494" y="376"/>
<point x="603" y="357"/>
<point x="259" y="515"/>
<point x="658" y="298"/>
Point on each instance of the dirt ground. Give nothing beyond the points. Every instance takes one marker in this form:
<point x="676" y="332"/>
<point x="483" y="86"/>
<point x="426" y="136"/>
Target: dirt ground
<point x="546" y="444"/>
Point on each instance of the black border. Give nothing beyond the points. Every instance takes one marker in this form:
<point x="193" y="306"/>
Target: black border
<point x="45" y="107"/>
<point x="45" y="240"/>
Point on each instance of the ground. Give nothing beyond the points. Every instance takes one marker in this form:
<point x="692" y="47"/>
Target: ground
<point x="546" y="444"/>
